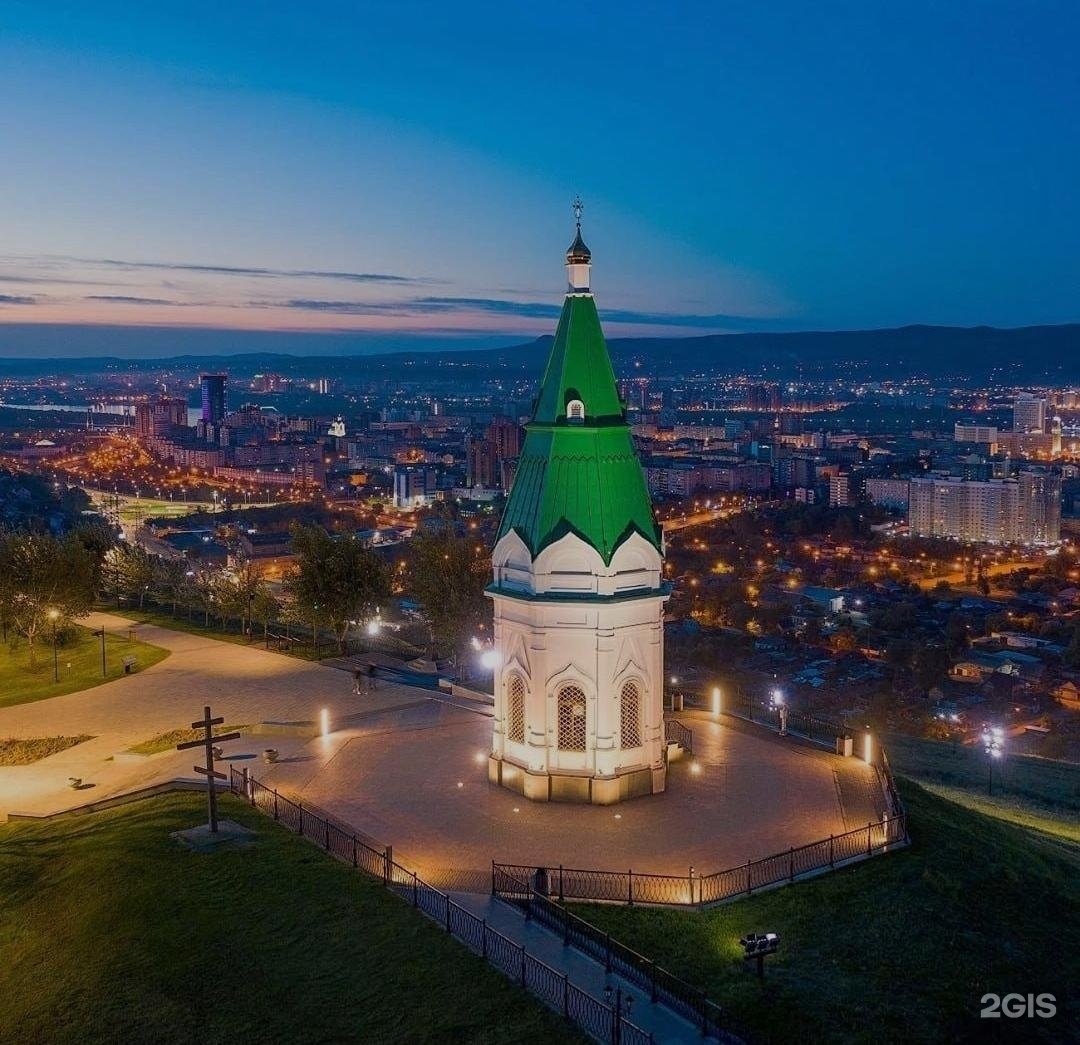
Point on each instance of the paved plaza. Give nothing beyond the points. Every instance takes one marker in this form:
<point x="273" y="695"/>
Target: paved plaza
<point x="417" y="779"/>
<point x="246" y="684"/>
<point x="408" y="767"/>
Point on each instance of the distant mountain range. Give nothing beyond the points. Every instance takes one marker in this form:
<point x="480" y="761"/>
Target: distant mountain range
<point x="1048" y="354"/>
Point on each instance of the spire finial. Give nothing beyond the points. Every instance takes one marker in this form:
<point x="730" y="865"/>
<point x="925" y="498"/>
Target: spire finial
<point x="577" y="207"/>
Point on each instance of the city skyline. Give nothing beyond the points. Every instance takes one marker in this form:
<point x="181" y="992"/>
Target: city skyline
<point x="359" y="180"/>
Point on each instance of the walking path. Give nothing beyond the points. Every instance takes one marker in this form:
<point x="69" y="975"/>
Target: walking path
<point x="584" y="972"/>
<point x="244" y="683"/>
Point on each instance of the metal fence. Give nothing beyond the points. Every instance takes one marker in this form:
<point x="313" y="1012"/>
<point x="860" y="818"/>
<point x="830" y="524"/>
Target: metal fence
<point x="603" y="1022"/>
<point x="662" y="986"/>
<point x="675" y="732"/>
<point x="693" y="890"/>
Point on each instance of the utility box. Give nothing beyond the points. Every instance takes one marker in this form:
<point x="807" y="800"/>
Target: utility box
<point x="845" y="746"/>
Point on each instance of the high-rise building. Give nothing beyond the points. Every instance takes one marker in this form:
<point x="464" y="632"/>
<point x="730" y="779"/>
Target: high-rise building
<point x="482" y="467"/>
<point x="212" y="396"/>
<point x="505" y="433"/>
<point x="578" y="587"/>
<point x="414" y="485"/>
<point x="1040" y="507"/>
<point x="971" y="433"/>
<point x="1029" y="414"/>
<point x="1026" y="510"/>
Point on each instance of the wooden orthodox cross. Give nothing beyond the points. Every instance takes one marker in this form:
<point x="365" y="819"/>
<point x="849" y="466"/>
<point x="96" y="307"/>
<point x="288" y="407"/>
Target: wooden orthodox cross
<point x="208" y="770"/>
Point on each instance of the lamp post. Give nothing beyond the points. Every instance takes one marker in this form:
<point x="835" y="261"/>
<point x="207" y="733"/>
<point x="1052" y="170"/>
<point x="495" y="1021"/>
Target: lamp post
<point x="756" y="946"/>
<point x="993" y="738"/>
<point x="776" y="702"/>
<point x="54" y="616"/>
<point x="104" y="672"/>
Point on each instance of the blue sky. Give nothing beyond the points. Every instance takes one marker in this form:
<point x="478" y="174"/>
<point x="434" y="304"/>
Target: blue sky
<point x="405" y="169"/>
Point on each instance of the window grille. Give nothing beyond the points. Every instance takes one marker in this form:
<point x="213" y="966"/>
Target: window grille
<point x="515" y="710"/>
<point x="630" y="715"/>
<point x="571" y="718"/>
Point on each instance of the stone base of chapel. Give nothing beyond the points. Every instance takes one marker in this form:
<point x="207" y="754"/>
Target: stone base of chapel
<point x="567" y="787"/>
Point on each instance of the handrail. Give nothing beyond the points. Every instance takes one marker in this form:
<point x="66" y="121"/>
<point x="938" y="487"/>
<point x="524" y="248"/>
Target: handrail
<point x="691" y="890"/>
<point x="663" y="986"/>
<point x="676" y="732"/>
<point x="602" y="1022"/>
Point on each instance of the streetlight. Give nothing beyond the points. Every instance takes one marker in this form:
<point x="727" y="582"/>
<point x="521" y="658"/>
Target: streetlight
<point x="993" y="738"/>
<point x="776" y="702"/>
<point x="756" y="946"/>
<point x="54" y="616"/>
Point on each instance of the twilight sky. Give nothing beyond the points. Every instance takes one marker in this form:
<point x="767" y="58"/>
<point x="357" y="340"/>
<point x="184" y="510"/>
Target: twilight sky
<point x="403" y="169"/>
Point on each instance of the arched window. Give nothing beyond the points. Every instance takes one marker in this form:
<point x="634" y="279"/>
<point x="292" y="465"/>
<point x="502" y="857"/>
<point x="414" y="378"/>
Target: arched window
<point x="575" y="411"/>
<point x="571" y="702"/>
<point x="630" y="714"/>
<point x="515" y="709"/>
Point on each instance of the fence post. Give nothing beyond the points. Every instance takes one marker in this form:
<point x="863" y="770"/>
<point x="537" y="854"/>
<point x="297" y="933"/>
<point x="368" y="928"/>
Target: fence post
<point x="565" y="926"/>
<point x="616" y="1023"/>
<point x="522" y="966"/>
<point x="492" y="877"/>
<point x="791" y="864"/>
<point x="831" y="851"/>
<point x="560" y="884"/>
<point x="415" y="891"/>
<point x="630" y="886"/>
<point x="354" y="850"/>
<point x="244" y="781"/>
<point x="300" y="807"/>
<point x="748" y="889"/>
<point x="607" y="962"/>
<point x="483" y="938"/>
<point x="326" y="843"/>
<point x="652" y="982"/>
<point x="448" y="914"/>
<point x="388" y="863"/>
<point x="275" y="804"/>
<point x="868" y="826"/>
<point x="566" y="996"/>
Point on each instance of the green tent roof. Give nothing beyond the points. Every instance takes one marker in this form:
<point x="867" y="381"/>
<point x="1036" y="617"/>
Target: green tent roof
<point x="583" y="476"/>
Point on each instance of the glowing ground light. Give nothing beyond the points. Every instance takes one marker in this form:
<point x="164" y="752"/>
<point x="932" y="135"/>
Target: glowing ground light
<point x="479" y="758"/>
<point x="618" y="816"/>
<point x="695" y="768"/>
<point x="324" y="721"/>
<point x="868" y="748"/>
<point x="516" y="810"/>
<point x="460" y="784"/>
<point x="716" y="701"/>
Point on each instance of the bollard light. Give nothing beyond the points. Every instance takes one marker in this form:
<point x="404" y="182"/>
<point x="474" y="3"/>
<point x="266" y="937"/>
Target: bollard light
<point x="324" y="721"/>
<point x="716" y="701"/>
<point x="868" y="748"/>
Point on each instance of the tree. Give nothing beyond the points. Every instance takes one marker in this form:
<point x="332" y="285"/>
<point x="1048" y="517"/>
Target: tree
<point x="265" y="608"/>
<point x="1072" y="651"/>
<point x="336" y="582"/>
<point x="133" y="569"/>
<point x="930" y="666"/>
<point x="47" y="580"/>
<point x="171" y="580"/>
<point x="448" y="575"/>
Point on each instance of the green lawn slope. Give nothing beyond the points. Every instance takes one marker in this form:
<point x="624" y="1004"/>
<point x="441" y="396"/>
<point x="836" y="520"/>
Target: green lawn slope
<point x="110" y="931"/>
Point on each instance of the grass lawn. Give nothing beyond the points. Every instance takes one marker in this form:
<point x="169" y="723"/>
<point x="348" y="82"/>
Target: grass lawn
<point x="300" y="646"/>
<point x="25" y="752"/>
<point x="897" y="949"/>
<point x="162" y="617"/>
<point x="106" y="921"/>
<point x="79" y="665"/>
<point x="168" y="741"/>
<point x="1037" y="783"/>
